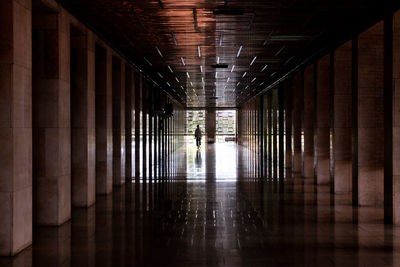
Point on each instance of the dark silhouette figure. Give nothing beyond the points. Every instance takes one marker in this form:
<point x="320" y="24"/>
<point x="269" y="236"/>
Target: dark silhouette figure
<point x="197" y="135"/>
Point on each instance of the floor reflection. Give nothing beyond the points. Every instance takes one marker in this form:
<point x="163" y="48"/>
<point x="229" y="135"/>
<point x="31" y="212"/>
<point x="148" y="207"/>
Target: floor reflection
<point x="219" y="163"/>
<point x="217" y="214"/>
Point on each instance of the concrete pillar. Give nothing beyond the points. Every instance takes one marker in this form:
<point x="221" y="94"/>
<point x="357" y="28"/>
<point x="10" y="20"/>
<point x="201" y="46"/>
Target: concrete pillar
<point x="150" y="102"/>
<point x="210" y="125"/>
<point x="342" y="121"/>
<point x="274" y="109"/>
<point x="83" y="131"/>
<point x="396" y="118"/>
<point x="298" y="95"/>
<point x="144" y="133"/>
<point x="269" y="133"/>
<point x="281" y="131"/>
<point x="370" y="116"/>
<point x="322" y="133"/>
<point x="288" y="122"/>
<point x="129" y="123"/>
<point x="51" y="119"/>
<point x="308" y="121"/>
<point x="104" y="147"/>
<point x="15" y="127"/>
<point x="138" y="117"/>
<point x="118" y="120"/>
<point x="144" y="144"/>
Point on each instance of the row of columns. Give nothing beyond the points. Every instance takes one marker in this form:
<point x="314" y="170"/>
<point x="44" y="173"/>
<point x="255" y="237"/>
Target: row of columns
<point x="73" y="120"/>
<point x="248" y="129"/>
<point x="341" y="122"/>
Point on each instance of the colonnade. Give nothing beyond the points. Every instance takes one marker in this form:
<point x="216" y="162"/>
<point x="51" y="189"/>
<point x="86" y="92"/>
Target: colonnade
<point x="336" y="121"/>
<point x="76" y="119"/>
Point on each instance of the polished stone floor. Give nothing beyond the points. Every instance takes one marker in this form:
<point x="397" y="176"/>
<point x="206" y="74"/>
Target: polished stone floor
<point x="213" y="210"/>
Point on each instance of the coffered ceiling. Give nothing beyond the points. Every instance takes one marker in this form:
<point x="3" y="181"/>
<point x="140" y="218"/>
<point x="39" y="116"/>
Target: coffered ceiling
<point x="221" y="53"/>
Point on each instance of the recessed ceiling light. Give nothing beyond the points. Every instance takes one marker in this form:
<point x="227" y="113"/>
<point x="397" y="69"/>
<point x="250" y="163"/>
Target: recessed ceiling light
<point x="266" y="66"/>
<point x="254" y="79"/>
<point x="173" y="38"/>
<point x="183" y="61"/>
<point x="244" y="74"/>
<point x="170" y="69"/>
<point x="168" y="84"/>
<point x="159" y="74"/>
<point x="187" y="73"/>
<point x="201" y="68"/>
<point x="199" y="50"/>
<point x="238" y="84"/>
<point x="280" y="50"/>
<point x="148" y="62"/>
<point x="176" y="78"/>
<point x="254" y="59"/>
<point x="240" y="50"/>
<point x="227" y="80"/>
<point x="159" y="52"/>
<point x="233" y="67"/>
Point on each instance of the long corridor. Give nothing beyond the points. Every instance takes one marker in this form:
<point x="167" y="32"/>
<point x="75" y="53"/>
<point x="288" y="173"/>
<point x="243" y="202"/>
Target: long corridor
<point x="213" y="213"/>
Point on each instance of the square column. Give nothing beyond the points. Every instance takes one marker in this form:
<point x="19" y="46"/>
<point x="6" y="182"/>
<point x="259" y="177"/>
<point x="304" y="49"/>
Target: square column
<point x="268" y="102"/>
<point x="298" y="98"/>
<point x="210" y="125"/>
<point x="322" y="133"/>
<point x="281" y="121"/>
<point x="129" y="123"/>
<point x="308" y="121"/>
<point x="104" y="145"/>
<point x="138" y="117"/>
<point x="396" y="119"/>
<point x="15" y="127"/>
<point x="83" y="131"/>
<point x="288" y="123"/>
<point x="370" y="117"/>
<point x="51" y="119"/>
<point x="118" y="120"/>
<point x="274" y="119"/>
<point x="342" y="121"/>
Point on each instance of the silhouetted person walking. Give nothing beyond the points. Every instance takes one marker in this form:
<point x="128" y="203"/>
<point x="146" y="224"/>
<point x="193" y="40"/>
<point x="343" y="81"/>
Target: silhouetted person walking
<point x="197" y="135"/>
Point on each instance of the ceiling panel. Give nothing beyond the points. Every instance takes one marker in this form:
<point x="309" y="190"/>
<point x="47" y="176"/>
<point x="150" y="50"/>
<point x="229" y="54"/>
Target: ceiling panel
<point x="177" y="42"/>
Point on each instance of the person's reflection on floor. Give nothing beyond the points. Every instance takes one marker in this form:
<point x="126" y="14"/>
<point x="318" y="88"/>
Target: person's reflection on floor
<point x="197" y="161"/>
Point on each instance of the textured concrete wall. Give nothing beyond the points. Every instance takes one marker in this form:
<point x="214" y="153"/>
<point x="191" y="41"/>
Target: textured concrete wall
<point x="83" y="147"/>
<point x="298" y="95"/>
<point x="210" y="124"/>
<point x="129" y="122"/>
<point x="396" y="118"/>
<point x="118" y="121"/>
<point x="370" y="116"/>
<point x="51" y="119"/>
<point x="104" y="146"/>
<point x="308" y="121"/>
<point x="288" y="123"/>
<point x="322" y="126"/>
<point x="15" y="127"/>
<point x="342" y="145"/>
